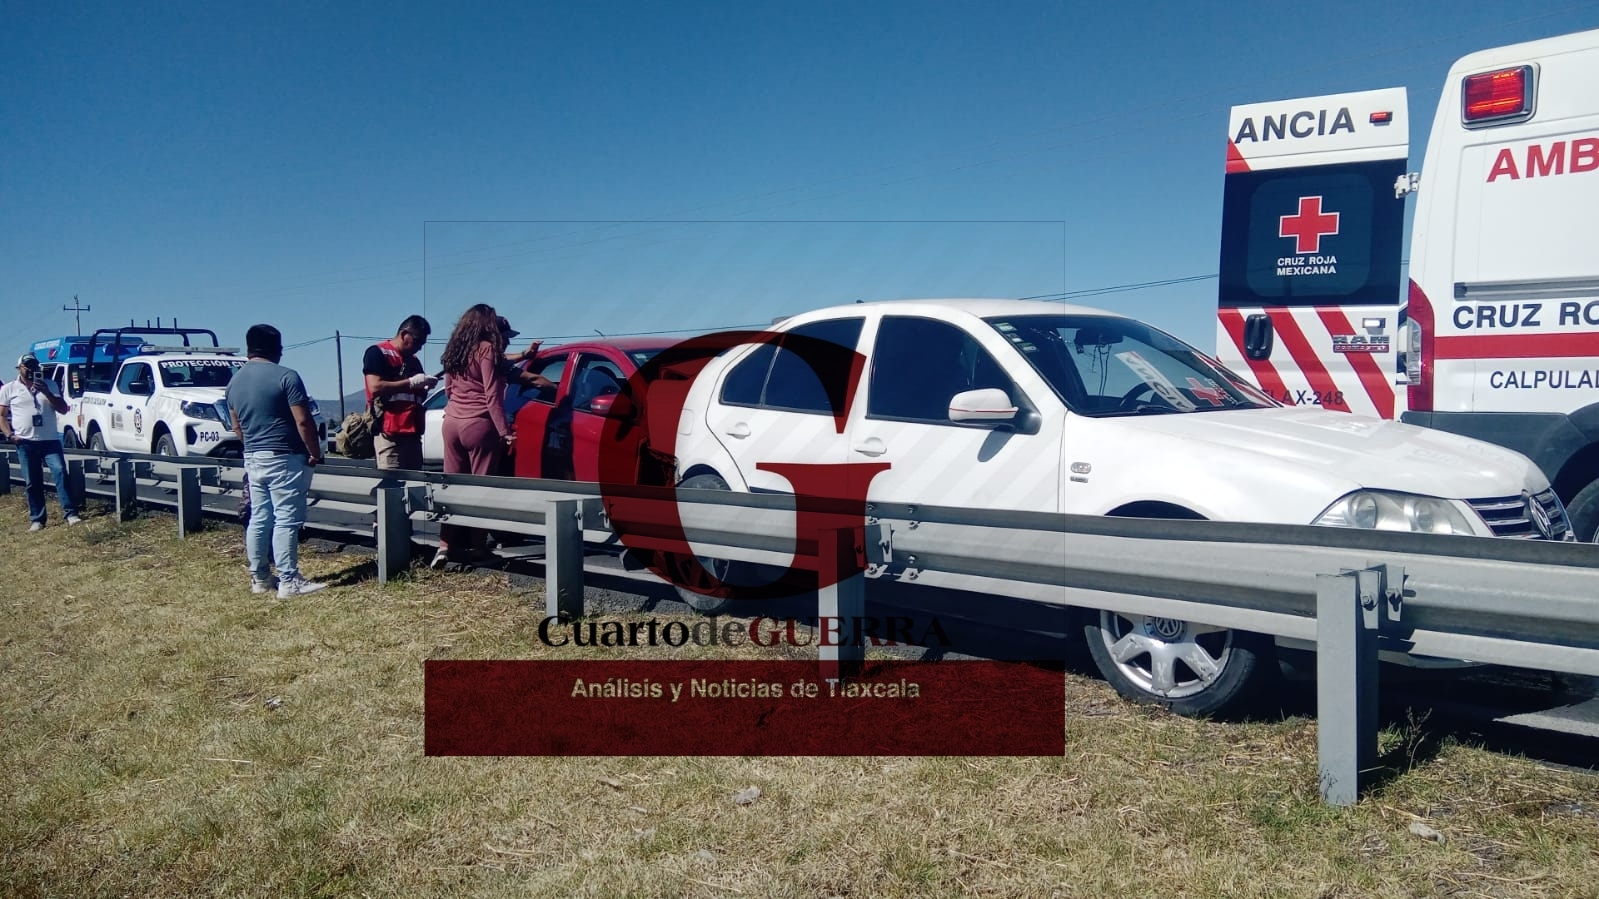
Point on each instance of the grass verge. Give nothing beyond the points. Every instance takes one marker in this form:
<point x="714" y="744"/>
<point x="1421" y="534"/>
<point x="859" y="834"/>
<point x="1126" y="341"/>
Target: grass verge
<point x="166" y="733"/>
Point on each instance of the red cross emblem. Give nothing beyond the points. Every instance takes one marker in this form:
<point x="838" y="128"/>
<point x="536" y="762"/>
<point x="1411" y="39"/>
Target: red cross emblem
<point x="1210" y="393"/>
<point x="1308" y="226"/>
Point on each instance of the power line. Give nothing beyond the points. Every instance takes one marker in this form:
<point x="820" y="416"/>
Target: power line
<point x="306" y="343"/>
<point x="1119" y="288"/>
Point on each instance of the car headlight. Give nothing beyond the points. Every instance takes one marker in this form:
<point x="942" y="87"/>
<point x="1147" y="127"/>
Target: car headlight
<point x="1381" y="510"/>
<point x="206" y="411"/>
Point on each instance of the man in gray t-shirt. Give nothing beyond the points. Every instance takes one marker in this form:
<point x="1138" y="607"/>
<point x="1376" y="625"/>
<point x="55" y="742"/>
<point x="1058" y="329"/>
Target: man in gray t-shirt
<point x="272" y="416"/>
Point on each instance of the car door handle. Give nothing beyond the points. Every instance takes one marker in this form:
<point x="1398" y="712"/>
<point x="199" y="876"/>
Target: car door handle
<point x="871" y="447"/>
<point x="740" y="430"/>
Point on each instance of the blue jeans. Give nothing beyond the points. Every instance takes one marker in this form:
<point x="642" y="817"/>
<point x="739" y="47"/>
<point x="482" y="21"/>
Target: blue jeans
<point x="279" y="483"/>
<point x="34" y="456"/>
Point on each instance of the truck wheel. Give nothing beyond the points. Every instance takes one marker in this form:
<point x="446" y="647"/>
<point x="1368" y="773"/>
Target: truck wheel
<point x="1192" y="669"/>
<point x="722" y="569"/>
<point x="1583" y="513"/>
<point x="166" y="446"/>
<point x="97" y="441"/>
<point x="69" y="440"/>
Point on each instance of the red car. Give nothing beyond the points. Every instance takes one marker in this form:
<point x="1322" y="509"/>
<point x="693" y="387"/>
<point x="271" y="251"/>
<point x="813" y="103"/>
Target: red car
<point x="558" y="428"/>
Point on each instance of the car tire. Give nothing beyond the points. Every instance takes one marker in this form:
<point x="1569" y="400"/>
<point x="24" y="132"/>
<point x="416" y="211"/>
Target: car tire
<point x="1193" y="670"/>
<point x="166" y="446"/>
<point x="69" y="440"/>
<point x="1583" y="513"/>
<point x="97" y="441"/>
<point x="722" y="569"/>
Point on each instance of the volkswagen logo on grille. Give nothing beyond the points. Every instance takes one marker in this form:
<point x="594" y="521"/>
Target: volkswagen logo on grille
<point x="1539" y="516"/>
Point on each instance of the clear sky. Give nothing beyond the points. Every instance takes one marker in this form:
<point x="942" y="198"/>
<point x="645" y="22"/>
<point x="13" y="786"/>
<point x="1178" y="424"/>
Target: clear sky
<point x="625" y="167"/>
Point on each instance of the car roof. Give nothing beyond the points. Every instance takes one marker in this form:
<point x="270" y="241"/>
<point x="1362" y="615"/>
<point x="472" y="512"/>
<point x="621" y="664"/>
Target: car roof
<point x="977" y="306"/>
<point x="625" y="344"/>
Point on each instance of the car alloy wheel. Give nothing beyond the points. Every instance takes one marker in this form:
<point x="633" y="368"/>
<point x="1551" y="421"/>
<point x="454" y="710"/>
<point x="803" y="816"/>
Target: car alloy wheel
<point x="1169" y="658"/>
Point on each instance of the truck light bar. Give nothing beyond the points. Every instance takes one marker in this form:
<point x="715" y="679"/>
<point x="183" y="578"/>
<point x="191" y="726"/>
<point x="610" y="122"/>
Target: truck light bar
<point x="192" y="350"/>
<point x="1499" y="97"/>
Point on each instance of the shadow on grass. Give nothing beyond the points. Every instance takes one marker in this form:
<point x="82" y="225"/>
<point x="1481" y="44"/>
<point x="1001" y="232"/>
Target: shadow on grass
<point x="351" y="575"/>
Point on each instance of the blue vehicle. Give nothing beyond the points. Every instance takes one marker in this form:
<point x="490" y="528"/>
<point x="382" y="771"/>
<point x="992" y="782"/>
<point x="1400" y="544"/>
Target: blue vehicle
<point x="65" y="360"/>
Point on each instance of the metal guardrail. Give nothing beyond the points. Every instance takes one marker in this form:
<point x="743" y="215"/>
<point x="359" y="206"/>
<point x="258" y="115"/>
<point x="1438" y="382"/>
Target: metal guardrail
<point x="1346" y="592"/>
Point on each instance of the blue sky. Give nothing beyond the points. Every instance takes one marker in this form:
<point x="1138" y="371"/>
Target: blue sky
<point x="628" y="167"/>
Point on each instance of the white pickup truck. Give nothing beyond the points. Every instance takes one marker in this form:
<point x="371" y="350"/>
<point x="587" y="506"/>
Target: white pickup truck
<point x="169" y="401"/>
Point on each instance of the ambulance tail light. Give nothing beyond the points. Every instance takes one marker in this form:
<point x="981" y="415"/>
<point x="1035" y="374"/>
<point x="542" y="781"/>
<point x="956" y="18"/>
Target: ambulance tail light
<point x="1497" y="98"/>
<point x="1419" y="351"/>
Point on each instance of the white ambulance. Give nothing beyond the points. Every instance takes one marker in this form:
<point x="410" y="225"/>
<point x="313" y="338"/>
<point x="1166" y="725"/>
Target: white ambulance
<point x="1496" y="333"/>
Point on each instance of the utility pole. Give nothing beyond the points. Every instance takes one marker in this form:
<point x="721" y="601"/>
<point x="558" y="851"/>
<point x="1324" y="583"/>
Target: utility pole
<point x="78" y="310"/>
<point x="338" y="353"/>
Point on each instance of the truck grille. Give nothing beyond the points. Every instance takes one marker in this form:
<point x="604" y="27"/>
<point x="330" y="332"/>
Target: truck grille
<point x="1510" y="516"/>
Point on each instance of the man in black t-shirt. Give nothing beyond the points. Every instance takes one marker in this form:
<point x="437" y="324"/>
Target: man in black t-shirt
<point x="395" y="374"/>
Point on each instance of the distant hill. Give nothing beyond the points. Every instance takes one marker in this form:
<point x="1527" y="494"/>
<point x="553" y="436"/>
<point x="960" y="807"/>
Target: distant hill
<point x="353" y="402"/>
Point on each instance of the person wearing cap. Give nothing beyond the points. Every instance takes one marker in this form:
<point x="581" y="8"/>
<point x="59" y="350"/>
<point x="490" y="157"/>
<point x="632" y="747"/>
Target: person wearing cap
<point x="512" y="368"/>
<point x="395" y="374"/>
<point x="28" y="409"/>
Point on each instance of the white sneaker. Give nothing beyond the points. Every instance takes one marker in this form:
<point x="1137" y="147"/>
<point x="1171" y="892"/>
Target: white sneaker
<point x="73" y="519"/>
<point x="266" y="586"/>
<point x="288" y="588"/>
<point x="36" y="526"/>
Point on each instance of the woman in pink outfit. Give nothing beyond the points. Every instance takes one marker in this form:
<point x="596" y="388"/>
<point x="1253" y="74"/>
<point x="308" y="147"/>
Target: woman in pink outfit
<point x="476" y="432"/>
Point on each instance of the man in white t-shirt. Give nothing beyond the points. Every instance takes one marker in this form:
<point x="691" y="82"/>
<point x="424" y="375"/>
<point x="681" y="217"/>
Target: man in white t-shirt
<point x="28" y="408"/>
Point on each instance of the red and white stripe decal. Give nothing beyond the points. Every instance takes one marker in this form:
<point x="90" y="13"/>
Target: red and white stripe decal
<point x="1371" y="375"/>
<point x="1517" y="346"/>
<point x="1265" y="374"/>
<point x="1235" y="160"/>
<point x="1304" y="356"/>
<point x="1302" y="374"/>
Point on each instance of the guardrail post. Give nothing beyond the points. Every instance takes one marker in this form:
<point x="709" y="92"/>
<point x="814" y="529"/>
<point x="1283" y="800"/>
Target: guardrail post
<point x="1349" y="609"/>
<point x="394" y="532"/>
<point x="563" y="558"/>
<point x="5" y="473"/>
<point x="189" y="510"/>
<point x="841" y="603"/>
<point x="127" y="489"/>
<point x="77" y="484"/>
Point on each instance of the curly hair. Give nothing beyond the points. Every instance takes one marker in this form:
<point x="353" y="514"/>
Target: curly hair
<point x="477" y="324"/>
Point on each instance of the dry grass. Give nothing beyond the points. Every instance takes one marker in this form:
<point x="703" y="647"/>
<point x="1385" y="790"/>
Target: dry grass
<point x="168" y="734"/>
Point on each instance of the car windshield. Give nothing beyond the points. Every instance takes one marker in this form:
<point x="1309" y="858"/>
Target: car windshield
<point x="198" y="372"/>
<point x="640" y="357"/>
<point x="1104" y="366"/>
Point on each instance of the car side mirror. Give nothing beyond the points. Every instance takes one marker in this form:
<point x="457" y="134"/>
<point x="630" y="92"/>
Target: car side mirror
<point x="987" y="404"/>
<point x="141" y="388"/>
<point x="613" y="404"/>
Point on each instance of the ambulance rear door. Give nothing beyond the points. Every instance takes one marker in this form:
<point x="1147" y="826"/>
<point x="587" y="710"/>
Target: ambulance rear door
<point x="1312" y="233"/>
